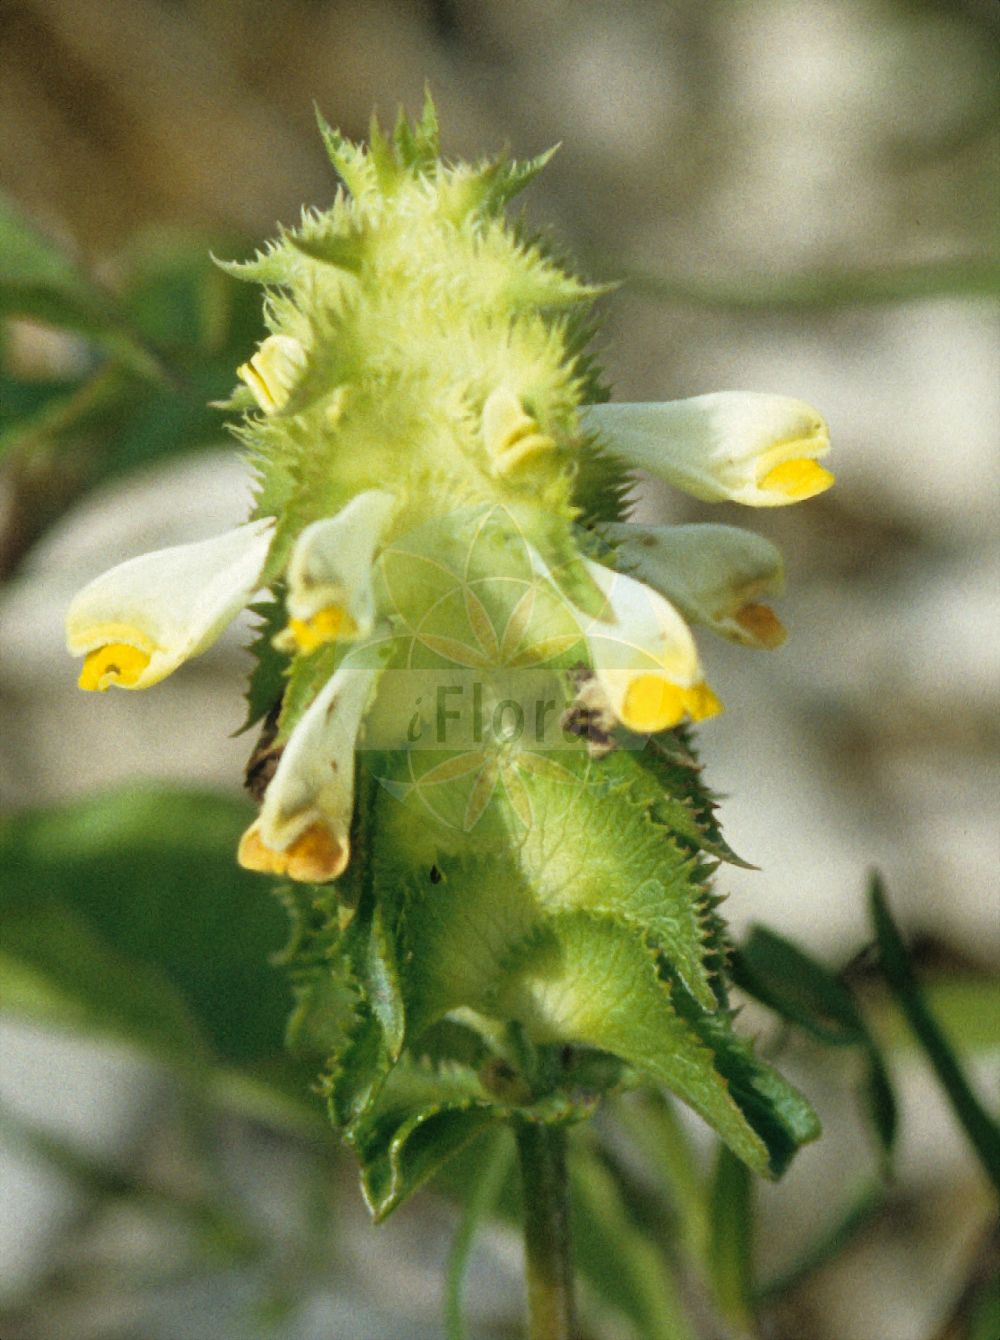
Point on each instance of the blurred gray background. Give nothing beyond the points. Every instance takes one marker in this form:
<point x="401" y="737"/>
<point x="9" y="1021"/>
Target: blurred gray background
<point x="800" y="196"/>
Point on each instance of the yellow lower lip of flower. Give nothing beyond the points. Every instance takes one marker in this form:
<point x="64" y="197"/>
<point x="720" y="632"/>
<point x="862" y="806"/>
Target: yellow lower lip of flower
<point x="701" y="703"/>
<point x="762" y="626"/>
<point x="114" y="663"/>
<point x="653" y="703"/>
<point x="315" y="857"/>
<point x="797" y="479"/>
<point x="325" y="626"/>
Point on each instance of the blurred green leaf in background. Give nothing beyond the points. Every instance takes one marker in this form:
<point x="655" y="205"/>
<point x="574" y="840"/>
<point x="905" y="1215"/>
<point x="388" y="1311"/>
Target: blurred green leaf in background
<point x="126" y="916"/>
<point x="128" y="379"/>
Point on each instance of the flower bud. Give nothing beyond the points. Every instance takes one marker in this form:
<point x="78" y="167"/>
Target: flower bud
<point x="273" y="370"/>
<point x="511" y="436"/>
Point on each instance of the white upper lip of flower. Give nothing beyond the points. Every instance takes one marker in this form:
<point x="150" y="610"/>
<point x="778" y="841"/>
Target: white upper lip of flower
<point x="160" y="609"/>
<point x="641" y="630"/>
<point x="644" y="657"/>
<point x="315" y="777"/>
<point x="312" y="791"/>
<point x="741" y="446"/>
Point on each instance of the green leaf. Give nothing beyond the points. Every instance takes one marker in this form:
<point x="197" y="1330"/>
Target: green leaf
<point x="966" y="1008"/>
<point x="40" y="281"/>
<point x="960" y="278"/>
<point x="182" y="303"/>
<point x="421" y="1117"/>
<point x="686" y="805"/>
<point x="359" y="1069"/>
<point x="56" y="969"/>
<point x="394" y="1166"/>
<point x="618" y="1260"/>
<point x="801" y="990"/>
<point x="304" y="676"/>
<point x="380" y="976"/>
<point x="383" y="158"/>
<point x="271" y="266"/>
<point x="787" y="979"/>
<point x="150" y="875"/>
<point x="270" y="666"/>
<point x="862" y="1207"/>
<point x="495" y="1166"/>
<point x="601" y="486"/>
<point x="587" y="979"/>
<point x="881" y="1101"/>
<point x="561" y="945"/>
<point x="326" y="1007"/>
<point x="332" y="247"/>
<point x="500" y="181"/>
<point x="625" y="861"/>
<point x="424" y="1114"/>
<point x="777" y="1112"/>
<point x="350" y="161"/>
<point x="982" y="1130"/>
<point x="418" y="145"/>
<point x="25" y="401"/>
<point x="118" y="417"/>
<point x="33" y="263"/>
<point x="652" y="1121"/>
<point x="593" y="844"/>
<point x="731" y="1243"/>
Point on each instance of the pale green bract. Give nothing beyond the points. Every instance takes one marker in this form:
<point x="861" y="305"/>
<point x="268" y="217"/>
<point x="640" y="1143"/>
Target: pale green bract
<point x="476" y="769"/>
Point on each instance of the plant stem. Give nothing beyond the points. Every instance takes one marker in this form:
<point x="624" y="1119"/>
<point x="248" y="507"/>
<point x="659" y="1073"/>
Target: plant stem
<point x="548" y="1261"/>
<point x="979" y="1126"/>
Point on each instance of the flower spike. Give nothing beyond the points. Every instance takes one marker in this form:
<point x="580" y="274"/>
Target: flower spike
<point x="330" y="594"/>
<point x="305" y="822"/>
<point x="715" y="575"/>
<point x="738" y="446"/>
<point x="645" y="658"/>
<point x="139" y="621"/>
<point x="523" y="859"/>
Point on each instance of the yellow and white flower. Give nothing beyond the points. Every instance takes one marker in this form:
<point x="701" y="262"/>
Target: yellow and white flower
<point x="273" y="370"/>
<point x="303" y="830"/>
<point x="330" y="587"/>
<point x="738" y="446"/>
<point x="644" y="657"/>
<point x="715" y="575"/>
<point x="136" y="623"/>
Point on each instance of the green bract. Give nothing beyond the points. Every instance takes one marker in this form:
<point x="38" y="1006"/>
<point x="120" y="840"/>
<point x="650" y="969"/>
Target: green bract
<point x="476" y="767"/>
